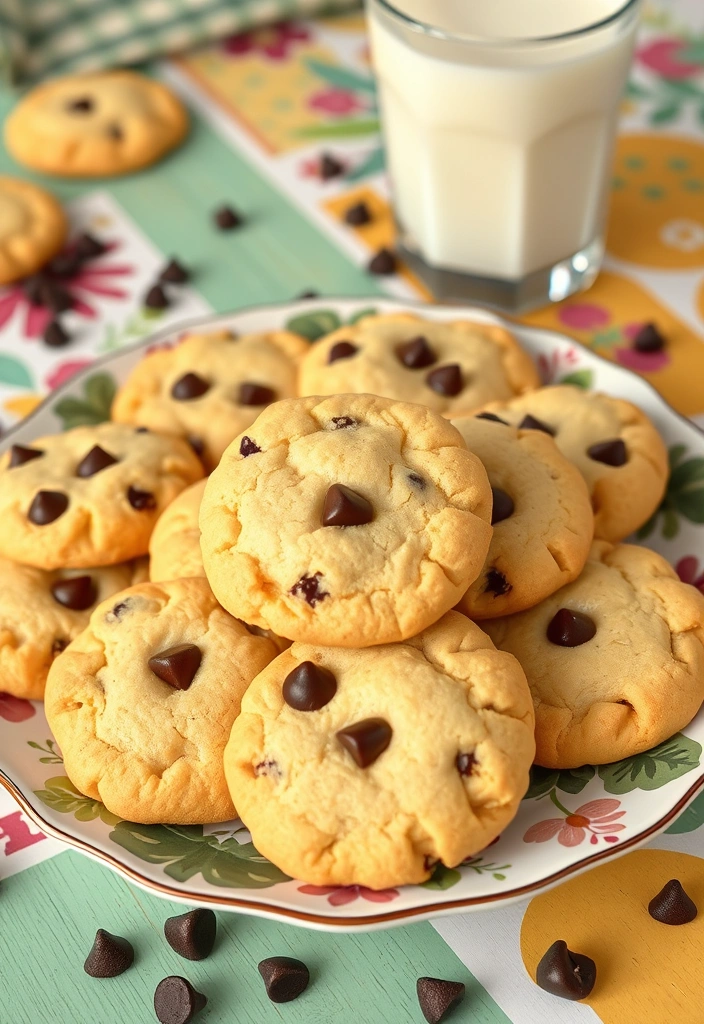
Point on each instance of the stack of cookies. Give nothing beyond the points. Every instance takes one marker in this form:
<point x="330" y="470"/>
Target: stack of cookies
<point x="383" y="599"/>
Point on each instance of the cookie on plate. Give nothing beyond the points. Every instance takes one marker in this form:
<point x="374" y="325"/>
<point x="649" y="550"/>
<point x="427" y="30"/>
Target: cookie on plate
<point x="366" y="767"/>
<point x="612" y="443"/>
<point x="33" y="228"/>
<point x="90" y="496"/>
<point x="615" y="660"/>
<point x="41" y="612"/>
<point x="174" y="548"/>
<point x="452" y="367"/>
<point x="542" y="518"/>
<point x="210" y="387"/>
<point x="143" y="700"/>
<point x="350" y="520"/>
<point x="95" y="124"/>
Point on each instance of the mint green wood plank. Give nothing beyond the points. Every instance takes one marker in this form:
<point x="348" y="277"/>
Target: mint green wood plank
<point x="50" y="914"/>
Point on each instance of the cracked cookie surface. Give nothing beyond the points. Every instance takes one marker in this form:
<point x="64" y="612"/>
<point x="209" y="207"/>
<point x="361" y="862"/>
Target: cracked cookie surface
<point x="142" y="702"/>
<point x="615" y="660"/>
<point x="366" y="767"/>
<point x="350" y="520"/>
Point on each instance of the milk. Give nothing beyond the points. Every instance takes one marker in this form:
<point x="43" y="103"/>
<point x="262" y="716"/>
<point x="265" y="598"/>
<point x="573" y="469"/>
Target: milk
<point x="499" y="154"/>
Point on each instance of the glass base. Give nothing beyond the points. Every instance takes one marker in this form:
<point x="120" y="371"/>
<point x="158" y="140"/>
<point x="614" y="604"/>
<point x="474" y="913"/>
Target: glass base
<point x="551" y="284"/>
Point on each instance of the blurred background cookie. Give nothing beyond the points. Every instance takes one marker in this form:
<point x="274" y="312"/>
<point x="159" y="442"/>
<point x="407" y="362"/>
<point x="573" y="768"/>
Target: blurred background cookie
<point x="33" y="228"/>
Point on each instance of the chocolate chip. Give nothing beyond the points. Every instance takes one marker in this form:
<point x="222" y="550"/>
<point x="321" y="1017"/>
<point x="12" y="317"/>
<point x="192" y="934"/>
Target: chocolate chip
<point x="248" y="447"/>
<point x="649" y="339"/>
<point x="465" y="763"/>
<point x="142" y="501"/>
<point x="268" y="767"/>
<point x="96" y="459"/>
<point x="65" y="264"/>
<point x="60" y="644"/>
<point x="141" y="430"/>
<point x="19" y="455"/>
<point x="33" y="286"/>
<point x="47" y="506"/>
<point x="496" y="583"/>
<point x="611" y="453"/>
<point x="56" y="298"/>
<point x="284" y="978"/>
<point x="490" y="416"/>
<point x="82" y="105"/>
<point x="189" y="386"/>
<point x="503" y="505"/>
<point x="384" y="263"/>
<point x="366" y="740"/>
<point x="342" y="422"/>
<point x="342" y="350"/>
<point x="564" y="973"/>
<point x="114" y="131"/>
<point x="176" y="1001"/>
<point x="88" y="246"/>
<point x="570" y="629"/>
<point x="197" y="444"/>
<point x="309" y="687"/>
<point x="177" y="665"/>
<point x="417" y="481"/>
<point x="672" y="905"/>
<point x="437" y="997"/>
<point x="156" y="298"/>
<point x="330" y="167"/>
<point x="309" y="588"/>
<point x="532" y="423"/>
<point x="111" y="955"/>
<point x="54" y="335"/>
<point x="226" y="218"/>
<point x="357" y="215"/>
<point x="192" y="935"/>
<point x="446" y="380"/>
<point x="76" y="592"/>
<point x="255" y="394"/>
<point x="117" y="612"/>
<point x="174" y="273"/>
<point x="345" y="507"/>
<point x="416" y="353"/>
<point x="308" y="294"/>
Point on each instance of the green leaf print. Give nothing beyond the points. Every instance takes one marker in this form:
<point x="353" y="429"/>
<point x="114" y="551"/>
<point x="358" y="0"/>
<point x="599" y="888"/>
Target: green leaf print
<point x="51" y="750"/>
<point x="570" y="780"/>
<point x="654" y="768"/>
<point x="99" y="391"/>
<point x="684" y="495"/>
<point x="12" y="371"/>
<point x="360" y="315"/>
<point x="666" y="114"/>
<point x="314" y="325"/>
<point x="62" y="796"/>
<point x="442" y="878"/>
<point x="374" y="163"/>
<point x="340" y="130"/>
<point x="341" y="78"/>
<point x="580" y="378"/>
<point x="689" y="820"/>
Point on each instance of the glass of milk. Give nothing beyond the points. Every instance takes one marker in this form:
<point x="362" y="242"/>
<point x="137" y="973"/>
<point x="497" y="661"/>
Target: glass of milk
<point x="499" y="119"/>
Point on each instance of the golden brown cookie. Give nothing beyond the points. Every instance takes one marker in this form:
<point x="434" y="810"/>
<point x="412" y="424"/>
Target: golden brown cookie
<point x="174" y="548"/>
<point x="33" y="228"/>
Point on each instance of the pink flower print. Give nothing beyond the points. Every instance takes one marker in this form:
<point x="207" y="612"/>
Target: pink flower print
<point x="65" y="371"/>
<point x="274" y="42"/>
<point x="15" y="709"/>
<point x="340" y="895"/>
<point x="641" y="362"/>
<point x="336" y="102"/>
<point x="584" y="316"/>
<point x="597" y="817"/>
<point x="689" y="571"/>
<point x="662" y="56"/>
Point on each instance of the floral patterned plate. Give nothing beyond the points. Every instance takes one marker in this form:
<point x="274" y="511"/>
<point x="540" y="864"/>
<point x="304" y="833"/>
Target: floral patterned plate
<point x="567" y="822"/>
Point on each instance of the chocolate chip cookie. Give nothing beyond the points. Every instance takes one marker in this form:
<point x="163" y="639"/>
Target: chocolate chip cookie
<point x="615" y="660"/>
<point x="33" y="228"/>
<point x="366" y="767"/>
<point x="350" y="520"/>
<point x="90" y="496"/>
<point x="143" y="700"/>
<point x="542" y="518"/>
<point x="451" y="367"/>
<point x="174" y="548"/>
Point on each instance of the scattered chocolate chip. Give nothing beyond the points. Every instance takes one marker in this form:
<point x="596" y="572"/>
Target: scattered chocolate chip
<point x="366" y="740"/>
<point x="384" y="263"/>
<point x="47" y="506"/>
<point x="570" y="629"/>
<point x="345" y="507"/>
<point x="308" y="294"/>
<point x="532" y="423"/>
<point x="357" y="215"/>
<point x="490" y="416"/>
<point x="226" y="218"/>
<point x="284" y="978"/>
<point x="177" y="665"/>
<point x="649" y="339"/>
<point x="446" y="380"/>
<point x="176" y="1001"/>
<point x="76" y="592"/>
<point x="54" y="335"/>
<point x="117" y="612"/>
<point x="564" y="973"/>
<point x="88" y="247"/>
<point x="82" y="105"/>
<point x="309" y="588"/>
<point x="417" y="481"/>
<point x="496" y="583"/>
<point x="96" y="459"/>
<point x="309" y="687"/>
<point x="248" y="447"/>
<point x="416" y="353"/>
<point x="56" y="298"/>
<point x="114" y="131"/>
<point x="341" y="350"/>
<point x="437" y="997"/>
<point x="342" y="422"/>
<point x="111" y="955"/>
<point x="140" y="500"/>
<point x="33" y="286"/>
<point x="189" y="386"/>
<point x="503" y="505"/>
<point x="611" y="453"/>
<point x="268" y="767"/>
<point x="65" y="264"/>
<point x="465" y="763"/>
<point x="141" y="430"/>
<point x="255" y="394"/>
<point x="174" y="273"/>
<point x="156" y="298"/>
<point x="672" y="905"/>
<point x="19" y="455"/>
<point x="330" y="167"/>
<point x="60" y="644"/>
<point x="192" y="935"/>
